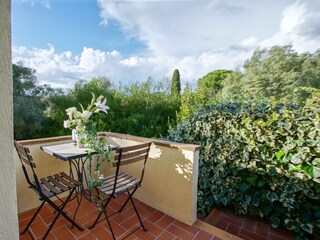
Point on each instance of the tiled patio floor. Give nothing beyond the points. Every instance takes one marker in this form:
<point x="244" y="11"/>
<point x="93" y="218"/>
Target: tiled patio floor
<point x="248" y="228"/>
<point x="159" y="225"/>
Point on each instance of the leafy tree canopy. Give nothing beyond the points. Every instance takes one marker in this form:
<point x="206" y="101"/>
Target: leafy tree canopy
<point x="278" y="72"/>
<point x="175" y="84"/>
<point x="213" y="80"/>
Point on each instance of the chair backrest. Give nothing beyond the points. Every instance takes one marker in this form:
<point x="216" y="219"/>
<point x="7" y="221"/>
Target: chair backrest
<point x="132" y="154"/>
<point x="27" y="162"/>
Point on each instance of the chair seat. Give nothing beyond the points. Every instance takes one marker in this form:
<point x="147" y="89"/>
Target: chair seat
<point x="125" y="183"/>
<point x="58" y="183"/>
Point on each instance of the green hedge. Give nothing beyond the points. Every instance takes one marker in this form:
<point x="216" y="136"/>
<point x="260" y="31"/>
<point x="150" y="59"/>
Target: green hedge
<point x="260" y="158"/>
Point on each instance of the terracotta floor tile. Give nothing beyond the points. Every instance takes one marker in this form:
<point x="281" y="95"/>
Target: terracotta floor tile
<point x="38" y="229"/>
<point x="249" y="224"/>
<point x="282" y="233"/>
<point x="123" y="216"/>
<point x="24" y="223"/>
<point x="143" y="212"/>
<point x="222" y="224"/>
<point x="233" y="229"/>
<point x="232" y="219"/>
<point x="27" y="214"/>
<point x="147" y="207"/>
<point x="262" y="229"/>
<point x="250" y="227"/>
<point x="26" y="236"/>
<point x="88" y="236"/>
<point x="116" y="206"/>
<point x="130" y="223"/>
<point x="191" y="229"/>
<point x="89" y="219"/>
<point x="202" y="235"/>
<point x="165" y="221"/>
<point x="51" y="236"/>
<point x="131" y="237"/>
<point x="77" y="233"/>
<point x="46" y="211"/>
<point x="251" y="235"/>
<point x="165" y="236"/>
<point x="176" y="231"/>
<point x="143" y="235"/>
<point x="216" y="238"/>
<point x="152" y="228"/>
<point x="155" y="216"/>
<point x="117" y="228"/>
<point x="216" y="231"/>
<point x="64" y="233"/>
<point x="233" y="237"/>
<point x="101" y="233"/>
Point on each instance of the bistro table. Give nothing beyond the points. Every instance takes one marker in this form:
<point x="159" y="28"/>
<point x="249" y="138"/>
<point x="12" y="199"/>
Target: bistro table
<point x="75" y="156"/>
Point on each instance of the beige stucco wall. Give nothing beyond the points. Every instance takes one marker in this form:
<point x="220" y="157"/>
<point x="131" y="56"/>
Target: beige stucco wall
<point x="8" y="200"/>
<point x="170" y="183"/>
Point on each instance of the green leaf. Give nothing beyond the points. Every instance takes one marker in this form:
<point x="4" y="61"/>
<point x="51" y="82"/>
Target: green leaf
<point x="312" y="134"/>
<point x="244" y="187"/>
<point x="296" y="159"/>
<point x="287" y="126"/>
<point x="279" y="154"/>
<point x="252" y="180"/>
<point x="272" y="196"/>
<point x="316" y="162"/>
<point x="307" y="227"/>
<point x="316" y="172"/>
<point x="275" y="221"/>
<point x="261" y="183"/>
<point x="293" y="168"/>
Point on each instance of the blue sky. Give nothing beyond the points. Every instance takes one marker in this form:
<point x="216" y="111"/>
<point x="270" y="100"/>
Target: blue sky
<point x="69" y="26"/>
<point x="131" y="40"/>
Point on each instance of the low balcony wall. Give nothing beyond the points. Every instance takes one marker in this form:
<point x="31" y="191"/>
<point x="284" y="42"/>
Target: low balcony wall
<point x="169" y="184"/>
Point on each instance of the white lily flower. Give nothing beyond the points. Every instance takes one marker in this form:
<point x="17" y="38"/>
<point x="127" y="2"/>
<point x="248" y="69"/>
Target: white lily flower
<point x="101" y="106"/>
<point x="66" y="124"/>
<point x="86" y="114"/>
<point x="77" y="114"/>
<point x="71" y="111"/>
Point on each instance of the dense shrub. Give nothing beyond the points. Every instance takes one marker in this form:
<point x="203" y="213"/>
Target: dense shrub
<point x="260" y="158"/>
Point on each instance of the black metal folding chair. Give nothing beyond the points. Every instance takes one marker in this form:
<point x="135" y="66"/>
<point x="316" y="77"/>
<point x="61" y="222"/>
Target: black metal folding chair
<point x="48" y="187"/>
<point x="121" y="182"/>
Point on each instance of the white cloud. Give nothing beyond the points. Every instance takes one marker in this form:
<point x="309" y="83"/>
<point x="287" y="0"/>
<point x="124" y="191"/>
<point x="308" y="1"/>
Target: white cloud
<point x="182" y="28"/>
<point x="299" y="26"/>
<point x="194" y="36"/>
<point x="64" y="69"/>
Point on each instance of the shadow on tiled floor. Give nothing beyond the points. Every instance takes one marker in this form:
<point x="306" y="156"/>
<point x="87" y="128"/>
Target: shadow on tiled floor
<point x="248" y="228"/>
<point x="160" y="226"/>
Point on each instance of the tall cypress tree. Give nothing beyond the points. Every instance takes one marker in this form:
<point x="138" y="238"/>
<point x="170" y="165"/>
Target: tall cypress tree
<point x="175" y="83"/>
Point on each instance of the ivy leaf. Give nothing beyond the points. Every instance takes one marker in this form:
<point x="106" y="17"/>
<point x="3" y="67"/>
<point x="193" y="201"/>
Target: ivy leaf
<point x="275" y="221"/>
<point x="316" y="172"/>
<point x="272" y="196"/>
<point x="293" y="168"/>
<point x="307" y="227"/>
<point x="261" y="183"/>
<point x="252" y="180"/>
<point x="316" y="162"/>
<point x="312" y="134"/>
<point x="279" y="154"/>
<point x="287" y="126"/>
<point x="296" y="159"/>
<point x="244" y="187"/>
